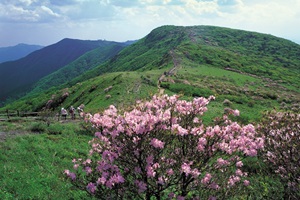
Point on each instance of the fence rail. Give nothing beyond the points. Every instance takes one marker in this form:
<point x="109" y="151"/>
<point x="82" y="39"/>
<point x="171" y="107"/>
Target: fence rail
<point x="17" y="113"/>
<point x="8" y="114"/>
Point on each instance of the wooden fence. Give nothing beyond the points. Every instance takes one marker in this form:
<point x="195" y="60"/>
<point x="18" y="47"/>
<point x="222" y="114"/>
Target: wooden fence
<point x="16" y="113"/>
<point x="8" y="114"/>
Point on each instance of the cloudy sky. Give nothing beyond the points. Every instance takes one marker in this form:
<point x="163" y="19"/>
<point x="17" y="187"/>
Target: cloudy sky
<point x="45" y="22"/>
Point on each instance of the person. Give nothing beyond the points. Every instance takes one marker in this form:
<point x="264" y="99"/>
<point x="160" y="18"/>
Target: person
<point x="72" y="112"/>
<point x="64" y="113"/>
<point x="80" y="110"/>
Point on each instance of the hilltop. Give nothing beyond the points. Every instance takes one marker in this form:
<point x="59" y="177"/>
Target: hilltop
<point x="245" y="70"/>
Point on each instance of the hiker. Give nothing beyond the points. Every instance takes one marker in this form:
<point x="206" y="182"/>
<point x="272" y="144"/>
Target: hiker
<point x="64" y="113"/>
<point x="72" y="112"/>
<point x="80" y="110"/>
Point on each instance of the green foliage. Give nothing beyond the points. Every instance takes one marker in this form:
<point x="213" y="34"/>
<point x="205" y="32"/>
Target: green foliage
<point x="264" y="186"/>
<point x="55" y="129"/>
<point x="38" y="127"/>
<point x="188" y="90"/>
<point x="32" y="165"/>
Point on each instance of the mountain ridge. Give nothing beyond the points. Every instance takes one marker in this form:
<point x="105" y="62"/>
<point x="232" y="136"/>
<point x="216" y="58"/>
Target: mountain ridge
<point x="16" y="52"/>
<point x="247" y="70"/>
<point x="84" y="63"/>
<point x="17" y="77"/>
<point x="202" y="43"/>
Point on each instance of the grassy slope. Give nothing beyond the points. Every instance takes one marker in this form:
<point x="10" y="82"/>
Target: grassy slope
<point x="84" y="63"/>
<point x="33" y="164"/>
<point x="258" y="54"/>
<point x="243" y="67"/>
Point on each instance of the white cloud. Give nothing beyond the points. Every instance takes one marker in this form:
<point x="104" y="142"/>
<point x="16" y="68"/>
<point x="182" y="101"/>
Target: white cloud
<point x="131" y="19"/>
<point x="15" y="13"/>
<point x="49" y="11"/>
<point x="23" y="11"/>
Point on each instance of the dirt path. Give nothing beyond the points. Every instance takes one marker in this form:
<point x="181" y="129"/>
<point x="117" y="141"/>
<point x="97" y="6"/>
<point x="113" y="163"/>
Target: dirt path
<point x="4" y="135"/>
<point x="172" y="71"/>
<point x="18" y="128"/>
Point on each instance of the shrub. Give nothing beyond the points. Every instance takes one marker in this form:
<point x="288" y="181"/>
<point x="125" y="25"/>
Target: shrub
<point x="161" y="149"/>
<point x="86" y="128"/>
<point x="282" y="144"/>
<point x="38" y="127"/>
<point x="55" y="129"/>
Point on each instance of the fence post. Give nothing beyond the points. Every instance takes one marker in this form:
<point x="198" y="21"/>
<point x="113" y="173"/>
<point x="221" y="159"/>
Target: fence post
<point x="7" y="113"/>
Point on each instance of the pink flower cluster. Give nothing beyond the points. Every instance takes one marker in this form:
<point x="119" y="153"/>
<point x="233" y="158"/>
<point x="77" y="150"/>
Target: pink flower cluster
<point x="282" y="143"/>
<point x="162" y="145"/>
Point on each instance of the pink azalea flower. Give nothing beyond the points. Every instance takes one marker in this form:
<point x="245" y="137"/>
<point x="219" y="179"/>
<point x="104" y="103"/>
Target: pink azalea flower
<point x="141" y="186"/>
<point x="157" y="143"/>
<point x="171" y="195"/>
<point x="170" y="172"/>
<point x="221" y="162"/>
<point x="239" y="164"/>
<point x="91" y="187"/>
<point x="72" y="176"/>
<point x="180" y="197"/>
<point x="101" y="180"/>
<point x="150" y="171"/>
<point x="236" y="113"/>
<point x="161" y="181"/>
<point x="246" y="182"/>
<point x="239" y="172"/>
<point x="206" y="179"/>
<point x="186" y="168"/>
<point x="88" y="170"/>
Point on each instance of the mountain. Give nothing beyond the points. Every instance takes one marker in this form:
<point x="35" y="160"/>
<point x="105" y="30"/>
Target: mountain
<point x="16" y="52"/>
<point x="17" y="77"/>
<point x="79" y="66"/>
<point x="249" y="71"/>
<point x="248" y="52"/>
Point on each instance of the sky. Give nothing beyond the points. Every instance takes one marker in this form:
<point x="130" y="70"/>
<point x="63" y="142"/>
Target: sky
<point x="45" y="22"/>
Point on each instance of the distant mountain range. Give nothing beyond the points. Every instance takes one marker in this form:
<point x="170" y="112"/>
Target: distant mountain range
<point x="245" y="70"/>
<point x="16" y="52"/>
<point x="17" y="77"/>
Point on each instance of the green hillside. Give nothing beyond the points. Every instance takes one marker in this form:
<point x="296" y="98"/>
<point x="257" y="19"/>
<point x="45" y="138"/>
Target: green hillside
<point x="248" y="71"/>
<point x="79" y="66"/>
<point x="18" y="77"/>
<point x="249" y="52"/>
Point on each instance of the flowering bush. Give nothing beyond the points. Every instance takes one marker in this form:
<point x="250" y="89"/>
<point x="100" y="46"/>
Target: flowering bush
<point x="282" y="145"/>
<point x="162" y="149"/>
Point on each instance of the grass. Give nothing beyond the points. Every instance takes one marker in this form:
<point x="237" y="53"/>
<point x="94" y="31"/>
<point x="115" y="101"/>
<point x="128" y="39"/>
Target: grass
<point x="251" y="95"/>
<point x="33" y="164"/>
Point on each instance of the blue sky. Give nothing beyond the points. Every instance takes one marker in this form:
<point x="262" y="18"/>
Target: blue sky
<point x="45" y="22"/>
